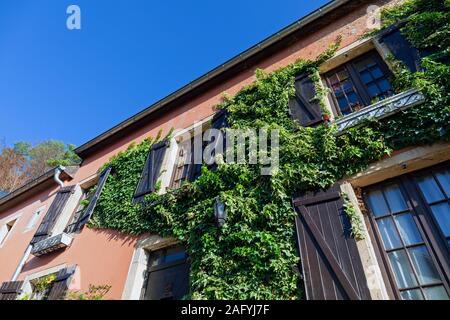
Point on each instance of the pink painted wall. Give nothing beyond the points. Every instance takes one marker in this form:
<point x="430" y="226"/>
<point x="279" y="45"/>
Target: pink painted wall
<point x="104" y="256"/>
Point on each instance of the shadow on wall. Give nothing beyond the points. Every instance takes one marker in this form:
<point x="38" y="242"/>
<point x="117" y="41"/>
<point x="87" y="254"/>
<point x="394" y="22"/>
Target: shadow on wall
<point x="81" y="245"/>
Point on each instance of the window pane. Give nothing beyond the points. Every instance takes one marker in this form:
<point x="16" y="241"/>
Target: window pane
<point x="435" y="293"/>
<point x="376" y="72"/>
<point x="412" y="295"/>
<point x="342" y="74"/>
<point x="442" y="214"/>
<point x="402" y="270"/>
<point x="347" y="85"/>
<point x="424" y="265"/>
<point x="377" y="204"/>
<point x="365" y="76"/>
<point x="384" y="85"/>
<point x="408" y="229"/>
<point x="352" y="98"/>
<point x="343" y="105"/>
<point x="389" y="235"/>
<point x="444" y="180"/>
<point x="430" y="189"/>
<point x="395" y="199"/>
<point x="373" y="90"/>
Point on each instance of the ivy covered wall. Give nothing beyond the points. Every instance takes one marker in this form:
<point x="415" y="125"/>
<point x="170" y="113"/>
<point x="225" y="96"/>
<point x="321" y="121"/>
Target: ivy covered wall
<point x="253" y="256"/>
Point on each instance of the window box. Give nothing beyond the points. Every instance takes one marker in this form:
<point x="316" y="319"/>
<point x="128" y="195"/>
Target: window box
<point x="51" y="244"/>
<point x="381" y="109"/>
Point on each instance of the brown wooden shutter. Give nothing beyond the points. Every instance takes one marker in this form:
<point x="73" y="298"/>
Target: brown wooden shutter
<point x="305" y="107"/>
<point x="61" y="284"/>
<point x="86" y="215"/>
<point x="330" y="260"/>
<point x="401" y="48"/>
<point x="10" y="290"/>
<point x="152" y="170"/>
<point x="53" y="213"/>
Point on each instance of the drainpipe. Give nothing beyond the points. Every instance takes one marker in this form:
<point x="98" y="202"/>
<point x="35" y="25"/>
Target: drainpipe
<point x="27" y="252"/>
<point x="22" y="262"/>
<point x="58" y="171"/>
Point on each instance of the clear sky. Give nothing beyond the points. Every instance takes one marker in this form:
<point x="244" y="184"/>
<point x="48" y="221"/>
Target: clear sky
<point x="72" y="85"/>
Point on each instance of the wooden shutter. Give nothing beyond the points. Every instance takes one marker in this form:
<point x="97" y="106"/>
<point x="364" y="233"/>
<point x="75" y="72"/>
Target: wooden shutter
<point x="61" y="284"/>
<point x="86" y="215"/>
<point x="401" y="48"/>
<point x="152" y="169"/>
<point x="219" y="121"/>
<point x="10" y="290"/>
<point x="305" y="107"/>
<point x="330" y="260"/>
<point x="53" y="213"/>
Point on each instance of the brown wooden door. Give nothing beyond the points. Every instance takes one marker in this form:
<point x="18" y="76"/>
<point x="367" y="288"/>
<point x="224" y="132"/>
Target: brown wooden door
<point x="167" y="275"/>
<point x="330" y="261"/>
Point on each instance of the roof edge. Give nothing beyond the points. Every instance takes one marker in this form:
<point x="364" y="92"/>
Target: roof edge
<point x="66" y="174"/>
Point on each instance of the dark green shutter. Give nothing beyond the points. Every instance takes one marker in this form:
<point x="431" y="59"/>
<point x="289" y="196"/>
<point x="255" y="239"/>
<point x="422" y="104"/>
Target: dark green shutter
<point x="60" y="285"/>
<point x="400" y="47"/>
<point x="86" y="215"/>
<point x="53" y="213"/>
<point x="305" y="107"/>
<point x="10" y="290"/>
<point x="219" y="121"/>
<point x="152" y="170"/>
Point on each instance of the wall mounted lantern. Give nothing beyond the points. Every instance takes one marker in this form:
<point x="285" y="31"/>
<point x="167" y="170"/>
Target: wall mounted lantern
<point x="219" y="212"/>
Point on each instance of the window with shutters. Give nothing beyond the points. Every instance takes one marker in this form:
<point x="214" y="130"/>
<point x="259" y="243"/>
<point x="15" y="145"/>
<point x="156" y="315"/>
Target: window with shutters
<point x="86" y="195"/>
<point x="359" y="83"/>
<point x="41" y="287"/>
<point x="187" y="168"/>
<point x="87" y="203"/>
<point x="411" y="219"/>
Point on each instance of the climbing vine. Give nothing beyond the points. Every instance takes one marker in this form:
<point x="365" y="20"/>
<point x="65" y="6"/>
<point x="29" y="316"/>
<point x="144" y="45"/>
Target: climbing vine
<point x="253" y="256"/>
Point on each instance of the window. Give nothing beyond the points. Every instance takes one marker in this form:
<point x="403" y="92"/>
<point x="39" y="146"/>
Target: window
<point x="188" y="165"/>
<point x="435" y="189"/>
<point x="167" y="276"/>
<point x="6" y="229"/>
<point x="41" y="286"/>
<point x="407" y="214"/>
<point x="82" y="205"/>
<point x="359" y="83"/>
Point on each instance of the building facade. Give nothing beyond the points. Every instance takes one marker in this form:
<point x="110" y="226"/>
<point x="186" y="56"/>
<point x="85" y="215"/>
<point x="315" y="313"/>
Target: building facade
<point x="403" y="200"/>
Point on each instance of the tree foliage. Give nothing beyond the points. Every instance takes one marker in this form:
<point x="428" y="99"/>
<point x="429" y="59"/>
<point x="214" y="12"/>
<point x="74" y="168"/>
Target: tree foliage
<point x="24" y="161"/>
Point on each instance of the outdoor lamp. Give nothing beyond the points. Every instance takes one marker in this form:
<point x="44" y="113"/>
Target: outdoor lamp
<point x="219" y="212"/>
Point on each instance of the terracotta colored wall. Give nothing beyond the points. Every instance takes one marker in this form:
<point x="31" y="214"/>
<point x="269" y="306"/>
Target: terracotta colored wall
<point x="103" y="257"/>
<point x="13" y="247"/>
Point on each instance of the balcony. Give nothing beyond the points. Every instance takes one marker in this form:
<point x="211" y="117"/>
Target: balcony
<point x="51" y="244"/>
<point x="382" y="109"/>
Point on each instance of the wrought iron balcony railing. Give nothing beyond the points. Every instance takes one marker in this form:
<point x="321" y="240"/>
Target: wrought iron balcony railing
<point x="381" y="109"/>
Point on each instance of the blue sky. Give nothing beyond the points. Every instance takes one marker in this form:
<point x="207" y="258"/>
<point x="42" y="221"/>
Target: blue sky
<point x="127" y="55"/>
